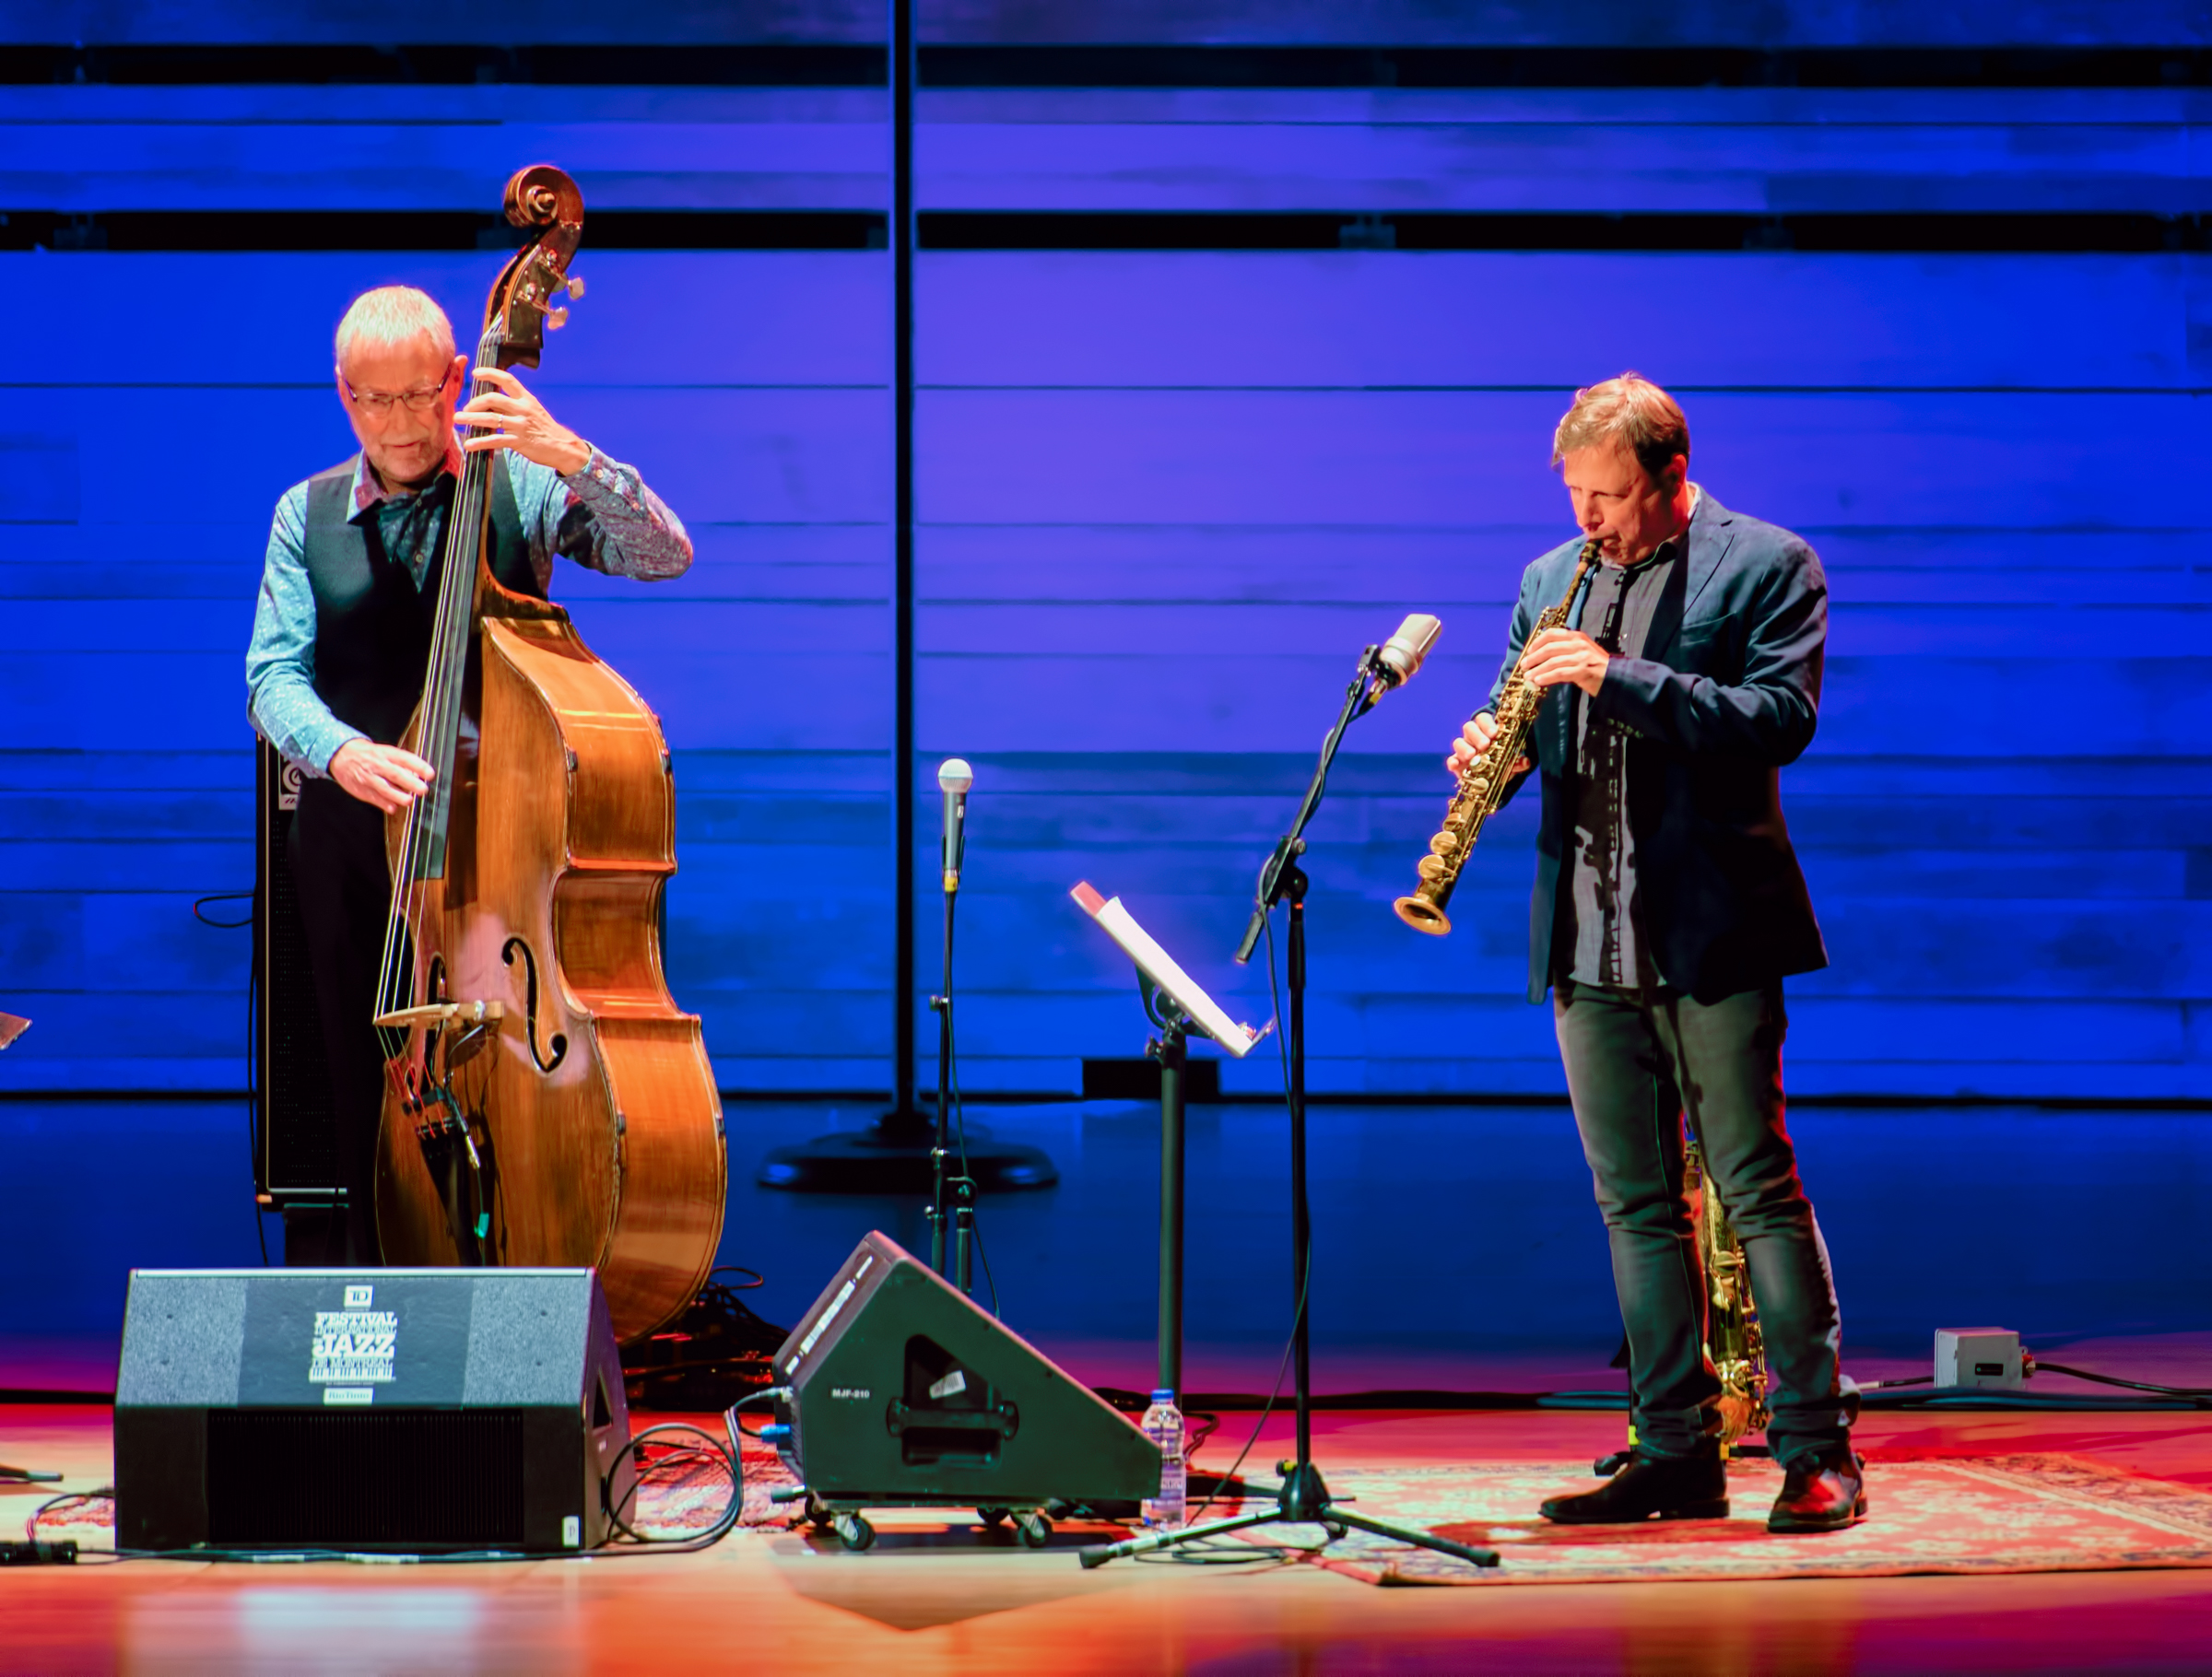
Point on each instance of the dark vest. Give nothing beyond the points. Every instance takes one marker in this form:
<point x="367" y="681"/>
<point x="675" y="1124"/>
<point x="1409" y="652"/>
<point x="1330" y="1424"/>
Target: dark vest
<point x="373" y="625"/>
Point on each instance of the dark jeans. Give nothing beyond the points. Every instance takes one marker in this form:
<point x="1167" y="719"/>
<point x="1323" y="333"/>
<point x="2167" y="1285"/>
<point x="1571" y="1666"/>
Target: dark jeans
<point x="1637" y="1063"/>
<point x="337" y="856"/>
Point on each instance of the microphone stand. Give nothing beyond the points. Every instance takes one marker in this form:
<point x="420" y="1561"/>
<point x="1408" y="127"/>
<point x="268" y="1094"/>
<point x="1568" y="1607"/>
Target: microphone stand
<point x="1303" y="1497"/>
<point x="962" y="1215"/>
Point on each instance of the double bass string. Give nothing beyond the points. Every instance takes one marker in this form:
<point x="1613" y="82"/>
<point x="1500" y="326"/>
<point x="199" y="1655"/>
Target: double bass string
<point x="456" y="593"/>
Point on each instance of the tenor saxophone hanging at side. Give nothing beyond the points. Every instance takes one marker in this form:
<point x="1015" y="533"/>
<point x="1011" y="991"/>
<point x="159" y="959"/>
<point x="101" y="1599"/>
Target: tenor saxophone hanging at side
<point x="1483" y="782"/>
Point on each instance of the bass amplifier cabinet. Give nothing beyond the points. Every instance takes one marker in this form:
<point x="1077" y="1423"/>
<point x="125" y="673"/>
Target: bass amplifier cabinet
<point x="296" y="1161"/>
<point x="406" y="1410"/>
<point x="903" y="1392"/>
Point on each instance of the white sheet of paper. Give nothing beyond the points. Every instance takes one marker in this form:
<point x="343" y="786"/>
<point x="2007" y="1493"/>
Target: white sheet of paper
<point x="1155" y="964"/>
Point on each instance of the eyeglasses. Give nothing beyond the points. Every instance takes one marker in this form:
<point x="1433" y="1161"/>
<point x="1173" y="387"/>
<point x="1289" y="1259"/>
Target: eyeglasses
<point x="379" y="402"/>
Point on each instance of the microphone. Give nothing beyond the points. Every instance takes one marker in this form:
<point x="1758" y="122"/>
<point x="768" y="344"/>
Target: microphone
<point x="953" y="779"/>
<point x="1401" y="654"/>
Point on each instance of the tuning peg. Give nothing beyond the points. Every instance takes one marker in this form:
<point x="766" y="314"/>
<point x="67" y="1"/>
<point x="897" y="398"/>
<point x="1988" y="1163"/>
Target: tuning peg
<point x="556" y="319"/>
<point x="575" y="287"/>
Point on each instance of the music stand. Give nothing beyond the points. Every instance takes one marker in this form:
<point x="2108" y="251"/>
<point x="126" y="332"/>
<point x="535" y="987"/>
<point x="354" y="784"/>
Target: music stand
<point x="1176" y="1004"/>
<point x="1302" y="1498"/>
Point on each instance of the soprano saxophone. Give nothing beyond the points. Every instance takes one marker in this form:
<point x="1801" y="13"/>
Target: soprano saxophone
<point x="1483" y="782"/>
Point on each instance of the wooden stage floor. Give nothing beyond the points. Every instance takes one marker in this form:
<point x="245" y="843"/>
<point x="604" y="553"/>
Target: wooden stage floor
<point x="936" y="1596"/>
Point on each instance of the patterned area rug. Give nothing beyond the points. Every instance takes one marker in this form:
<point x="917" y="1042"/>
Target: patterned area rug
<point x="1984" y="1514"/>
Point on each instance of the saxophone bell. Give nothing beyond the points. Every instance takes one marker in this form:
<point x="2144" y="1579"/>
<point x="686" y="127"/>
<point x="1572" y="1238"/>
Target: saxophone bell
<point x="1423" y="915"/>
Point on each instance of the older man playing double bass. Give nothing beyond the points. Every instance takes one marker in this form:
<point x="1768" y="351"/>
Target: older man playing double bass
<point x="342" y="633"/>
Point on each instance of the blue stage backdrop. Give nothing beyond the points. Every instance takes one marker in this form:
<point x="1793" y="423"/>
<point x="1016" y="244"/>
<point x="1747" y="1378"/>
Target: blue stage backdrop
<point x="1167" y="496"/>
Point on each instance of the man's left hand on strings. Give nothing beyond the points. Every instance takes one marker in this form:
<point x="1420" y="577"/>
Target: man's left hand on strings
<point x="513" y="418"/>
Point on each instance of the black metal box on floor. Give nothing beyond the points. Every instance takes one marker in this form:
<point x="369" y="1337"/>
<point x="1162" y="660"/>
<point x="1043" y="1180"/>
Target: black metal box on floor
<point x="367" y="1408"/>
<point x="905" y="1392"/>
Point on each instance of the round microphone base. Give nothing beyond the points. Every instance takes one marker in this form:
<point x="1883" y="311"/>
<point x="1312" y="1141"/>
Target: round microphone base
<point x="892" y="1157"/>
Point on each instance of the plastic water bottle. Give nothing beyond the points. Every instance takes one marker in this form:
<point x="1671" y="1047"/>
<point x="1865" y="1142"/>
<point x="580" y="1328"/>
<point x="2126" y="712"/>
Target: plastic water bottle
<point x="1163" y="1425"/>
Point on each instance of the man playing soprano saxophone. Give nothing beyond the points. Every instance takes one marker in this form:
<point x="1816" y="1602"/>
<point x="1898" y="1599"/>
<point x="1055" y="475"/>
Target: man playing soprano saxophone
<point x="1668" y="909"/>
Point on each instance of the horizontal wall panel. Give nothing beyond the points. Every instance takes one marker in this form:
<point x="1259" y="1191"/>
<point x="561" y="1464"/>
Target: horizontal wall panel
<point x="1598" y="23"/>
<point x="1426" y="458"/>
<point x="1889" y="945"/>
<point x="1699" y="151"/>
<point x="74" y="701"/>
<point x="828" y="564"/>
<point x="249" y="22"/>
<point x="977" y="630"/>
<point x="1117" y="702"/>
<point x="1593" y="166"/>
<point x="719" y="456"/>
<point x="1904" y="870"/>
<point x="135" y="866"/>
<point x="1478" y="569"/>
<point x="1985" y="102"/>
<point x="1284" y="774"/>
<point x="648" y="318"/>
<point x="1386" y="23"/>
<point x="355" y="165"/>
<point x="1366" y="318"/>
<point x="1819" y="1080"/>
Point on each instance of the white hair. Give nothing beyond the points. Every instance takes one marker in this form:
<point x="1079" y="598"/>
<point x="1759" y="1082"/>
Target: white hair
<point x="393" y="314"/>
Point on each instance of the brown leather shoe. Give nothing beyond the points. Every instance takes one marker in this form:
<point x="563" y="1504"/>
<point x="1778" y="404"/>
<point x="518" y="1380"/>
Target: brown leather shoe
<point x="1669" y="1488"/>
<point x="1822" y="1492"/>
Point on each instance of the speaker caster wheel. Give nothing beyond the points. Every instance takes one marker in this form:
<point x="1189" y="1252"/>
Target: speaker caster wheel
<point x="992" y="1517"/>
<point x="816" y="1515"/>
<point x="854" y="1531"/>
<point x="1333" y="1531"/>
<point x="1034" y="1529"/>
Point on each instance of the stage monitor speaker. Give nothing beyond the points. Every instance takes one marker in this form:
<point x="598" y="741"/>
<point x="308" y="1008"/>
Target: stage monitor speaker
<point x="296" y="1164"/>
<point x="903" y="1392"/>
<point x="407" y="1409"/>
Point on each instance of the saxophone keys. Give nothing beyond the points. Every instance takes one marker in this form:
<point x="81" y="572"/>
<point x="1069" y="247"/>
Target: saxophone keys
<point x="1431" y="867"/>
<point x="1442" y="844"/>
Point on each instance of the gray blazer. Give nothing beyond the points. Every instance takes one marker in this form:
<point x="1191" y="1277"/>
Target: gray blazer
<point x="1724" y="692"/>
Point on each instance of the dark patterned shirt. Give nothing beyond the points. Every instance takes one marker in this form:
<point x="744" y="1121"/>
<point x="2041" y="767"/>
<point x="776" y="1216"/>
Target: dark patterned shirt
<point x="1601" y="937"/>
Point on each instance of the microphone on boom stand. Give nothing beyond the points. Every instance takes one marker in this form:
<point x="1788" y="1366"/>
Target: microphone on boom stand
<point x="1394" y="663"/>
<point x="1303" y="1497"/>
<point x="1401" y="654"/>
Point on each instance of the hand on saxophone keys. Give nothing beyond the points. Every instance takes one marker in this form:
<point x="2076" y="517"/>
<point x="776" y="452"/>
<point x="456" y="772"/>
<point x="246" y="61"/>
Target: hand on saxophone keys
<point x="1473" y="741"/>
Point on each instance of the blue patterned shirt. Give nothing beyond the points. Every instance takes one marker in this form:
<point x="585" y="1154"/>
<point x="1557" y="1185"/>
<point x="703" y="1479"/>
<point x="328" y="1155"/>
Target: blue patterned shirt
<point x="603" y="517"/>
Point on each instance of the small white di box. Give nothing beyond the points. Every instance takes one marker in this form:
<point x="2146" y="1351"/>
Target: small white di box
<point x="1984" y="1357"/>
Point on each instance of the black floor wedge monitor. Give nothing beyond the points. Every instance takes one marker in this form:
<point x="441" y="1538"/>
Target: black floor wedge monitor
<point x="904" y="1393"/>
<point x="395" y="1410"/>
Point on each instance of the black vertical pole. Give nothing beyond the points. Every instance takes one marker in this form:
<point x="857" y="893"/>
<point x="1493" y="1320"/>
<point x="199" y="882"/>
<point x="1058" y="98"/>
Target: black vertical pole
<point x="1301" y="1221"/>
<point x="1172" y="1093"/>
<point x="902" y="551"/>
<point x="893" y="1156"/>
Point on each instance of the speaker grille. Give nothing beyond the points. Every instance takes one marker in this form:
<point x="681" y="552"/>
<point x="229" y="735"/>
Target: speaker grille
<point x="423" y="1478"/>
<point x="298" y="1130"/>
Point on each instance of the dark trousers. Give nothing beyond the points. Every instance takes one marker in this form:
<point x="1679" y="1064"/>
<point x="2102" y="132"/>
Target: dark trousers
<point x="1638" y="1064"/>
<point x="344" y="886"/>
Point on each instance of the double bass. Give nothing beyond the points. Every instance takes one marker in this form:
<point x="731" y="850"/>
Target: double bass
<point x="546" y="1102"/>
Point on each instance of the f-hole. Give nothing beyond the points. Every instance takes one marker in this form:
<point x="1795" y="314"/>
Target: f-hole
<point x="556" y="1046"/>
